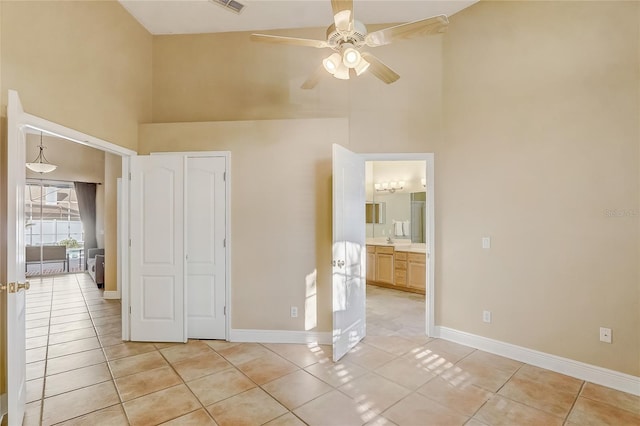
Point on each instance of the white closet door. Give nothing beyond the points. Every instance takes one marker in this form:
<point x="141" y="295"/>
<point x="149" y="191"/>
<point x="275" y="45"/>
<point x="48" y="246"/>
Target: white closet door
<point x="157" y="249"/>
<point x="206" y="259"/>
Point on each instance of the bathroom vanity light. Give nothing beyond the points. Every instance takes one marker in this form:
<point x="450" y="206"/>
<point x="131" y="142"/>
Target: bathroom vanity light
<point x="40" y="164"/>
<point x="391" y="187"/>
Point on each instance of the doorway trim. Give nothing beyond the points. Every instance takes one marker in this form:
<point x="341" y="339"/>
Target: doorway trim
<point x="428" y="158"/>
<point x="40" y="124"/>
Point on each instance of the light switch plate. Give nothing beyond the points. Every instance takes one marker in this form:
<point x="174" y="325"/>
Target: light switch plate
<point x="486" y="242"/>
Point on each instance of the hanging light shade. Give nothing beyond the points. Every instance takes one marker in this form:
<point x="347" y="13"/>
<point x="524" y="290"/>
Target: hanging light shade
<point x="40" y="164"/>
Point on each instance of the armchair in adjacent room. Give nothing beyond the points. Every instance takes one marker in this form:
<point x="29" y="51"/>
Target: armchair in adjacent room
<point x="95" y="265"/>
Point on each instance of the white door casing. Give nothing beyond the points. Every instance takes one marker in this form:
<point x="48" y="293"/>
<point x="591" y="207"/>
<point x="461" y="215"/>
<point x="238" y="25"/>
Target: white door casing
<point x="16" y="303"/>
<point x="349" y="251"/>
<point x="157" y="249"/>
<point x="205" y="242"/>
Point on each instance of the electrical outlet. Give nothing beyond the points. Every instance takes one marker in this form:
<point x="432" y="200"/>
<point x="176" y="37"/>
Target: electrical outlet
<point x="486" y="316"/>
<point x="294" y="312"/>
<point x="605" y="335"/>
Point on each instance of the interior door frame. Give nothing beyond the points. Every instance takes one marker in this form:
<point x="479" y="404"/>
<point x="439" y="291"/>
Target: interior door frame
<point x="54" y="129"/>
<point x="430" y="322"/>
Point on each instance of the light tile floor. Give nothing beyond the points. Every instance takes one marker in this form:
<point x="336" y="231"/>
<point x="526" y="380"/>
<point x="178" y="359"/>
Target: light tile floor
<point x="80" y="372"/>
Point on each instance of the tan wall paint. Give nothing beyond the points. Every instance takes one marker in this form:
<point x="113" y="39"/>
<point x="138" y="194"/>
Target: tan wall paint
<point x="540" y="138"/>
<point x="218" y="77"/>
<point x="261" y="82"/>
<point x="280" y="212"/>
<point x="541" y="119"/>
<point x="113" y="170"/>
<point x="82" y="64"/>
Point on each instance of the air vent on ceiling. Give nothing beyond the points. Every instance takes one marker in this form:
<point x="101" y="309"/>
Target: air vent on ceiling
<point x="231" y="5"/>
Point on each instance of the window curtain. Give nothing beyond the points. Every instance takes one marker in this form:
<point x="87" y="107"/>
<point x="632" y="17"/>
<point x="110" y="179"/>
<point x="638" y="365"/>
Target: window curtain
<point x="86" y="193"/>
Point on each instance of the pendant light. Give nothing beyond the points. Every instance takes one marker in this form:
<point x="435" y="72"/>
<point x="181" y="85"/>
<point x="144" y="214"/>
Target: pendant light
<point x="40" y="164"/>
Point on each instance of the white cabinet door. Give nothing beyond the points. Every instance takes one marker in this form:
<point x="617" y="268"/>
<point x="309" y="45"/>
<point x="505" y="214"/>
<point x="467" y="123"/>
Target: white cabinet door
<point x="157" y="249"/>
<point x="16" y="303"/>
<point x="206" y="259"/>
<point x="349" y="251"/>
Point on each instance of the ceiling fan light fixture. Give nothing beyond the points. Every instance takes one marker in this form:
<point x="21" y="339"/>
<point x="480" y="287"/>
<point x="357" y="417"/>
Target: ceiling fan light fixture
<point x="332" y="63"/>
<point x="342" y="72"/>
<point x="350" y="55"/>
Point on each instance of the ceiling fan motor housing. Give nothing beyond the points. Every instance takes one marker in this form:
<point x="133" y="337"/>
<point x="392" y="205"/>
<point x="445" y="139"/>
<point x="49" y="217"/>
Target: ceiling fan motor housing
<point x="356" y="36"/>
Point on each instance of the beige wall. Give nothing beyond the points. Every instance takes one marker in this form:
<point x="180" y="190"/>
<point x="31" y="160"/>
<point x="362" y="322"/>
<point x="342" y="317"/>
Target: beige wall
<point x="541" y="115"/>
<point x="532" y="111"/>
<point x="288" y="161"/>
<point x="280" y="213"/>
<point x="112" y="171"/>
<point x="218" y="77"/>
<point x="82" y="64"/>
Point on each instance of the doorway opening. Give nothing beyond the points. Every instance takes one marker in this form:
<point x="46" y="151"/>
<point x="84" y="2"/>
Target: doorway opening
<point x="399" y="191"/>
<point x="396" y="239"/>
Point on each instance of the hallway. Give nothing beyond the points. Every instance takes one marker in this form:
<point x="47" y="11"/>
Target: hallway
<point x="80" y="372"/>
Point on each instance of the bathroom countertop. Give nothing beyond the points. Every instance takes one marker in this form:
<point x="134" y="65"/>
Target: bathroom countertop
<point x="399" y="245"/>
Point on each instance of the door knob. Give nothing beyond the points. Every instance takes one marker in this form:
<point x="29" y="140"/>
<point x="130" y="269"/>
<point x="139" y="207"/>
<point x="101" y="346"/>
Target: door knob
<point x="15" y="287"/>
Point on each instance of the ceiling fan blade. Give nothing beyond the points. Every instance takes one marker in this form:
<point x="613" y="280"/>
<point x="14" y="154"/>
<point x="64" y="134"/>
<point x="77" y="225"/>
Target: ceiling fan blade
<point x="379" y="69"/>
<point x="434" y="25"/>
<point x="264" y="38"/>
<point x="314" y="78"/>
<point x="343" y="14"/>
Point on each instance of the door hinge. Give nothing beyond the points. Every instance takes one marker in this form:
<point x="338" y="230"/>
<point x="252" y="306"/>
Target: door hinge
<point x="129" y="310"/>
<point x="224" y="243"/>
<point x="224" y="176"/>
<point x="129" y="175"/>
<point x="224" y="311"/>
<point x="129" y="242"/>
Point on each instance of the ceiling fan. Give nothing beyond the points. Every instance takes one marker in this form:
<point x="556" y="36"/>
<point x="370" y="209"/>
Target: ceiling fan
<point x="346" y="36"/>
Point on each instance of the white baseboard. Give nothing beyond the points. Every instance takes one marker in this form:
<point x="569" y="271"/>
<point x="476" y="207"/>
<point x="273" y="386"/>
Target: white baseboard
<point x="591" y="373"/>
<point x="280" y="336"/>
<point x="111" y="294"/>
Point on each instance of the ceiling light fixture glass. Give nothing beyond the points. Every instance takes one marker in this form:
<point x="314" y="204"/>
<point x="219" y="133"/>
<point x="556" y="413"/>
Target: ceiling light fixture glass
<point x="350" y="55"/>
<point x="331" y="63"/>
<point x="40" y="164"/>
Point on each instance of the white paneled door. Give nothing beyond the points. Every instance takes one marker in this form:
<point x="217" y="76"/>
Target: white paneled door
<point x="178" y="247"/>
<point x="349" y="251"/>
<point x="16" y="286"/>
<point x="206" y="258"/>
<point x="157" y="249"/>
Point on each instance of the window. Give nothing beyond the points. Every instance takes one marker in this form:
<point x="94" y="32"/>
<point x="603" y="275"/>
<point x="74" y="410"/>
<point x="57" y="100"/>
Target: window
<point x="52" y="218"/>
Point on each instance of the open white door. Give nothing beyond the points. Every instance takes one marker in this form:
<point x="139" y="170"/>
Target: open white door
<point x="157" y="249"/>
<point x="16" y="286"/>
<point x="349" y="251"/>
<point x="206" y="256"/>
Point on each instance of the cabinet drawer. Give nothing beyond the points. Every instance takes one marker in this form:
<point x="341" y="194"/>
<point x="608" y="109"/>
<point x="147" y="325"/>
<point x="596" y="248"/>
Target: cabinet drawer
<point x="401" y="277"/>
<point x="384" y="250"/>
<point x="401" y="255"/>
<point x="401" y="264"/>
<point x="371" y="249"/>
<point x="417" y="257"/>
